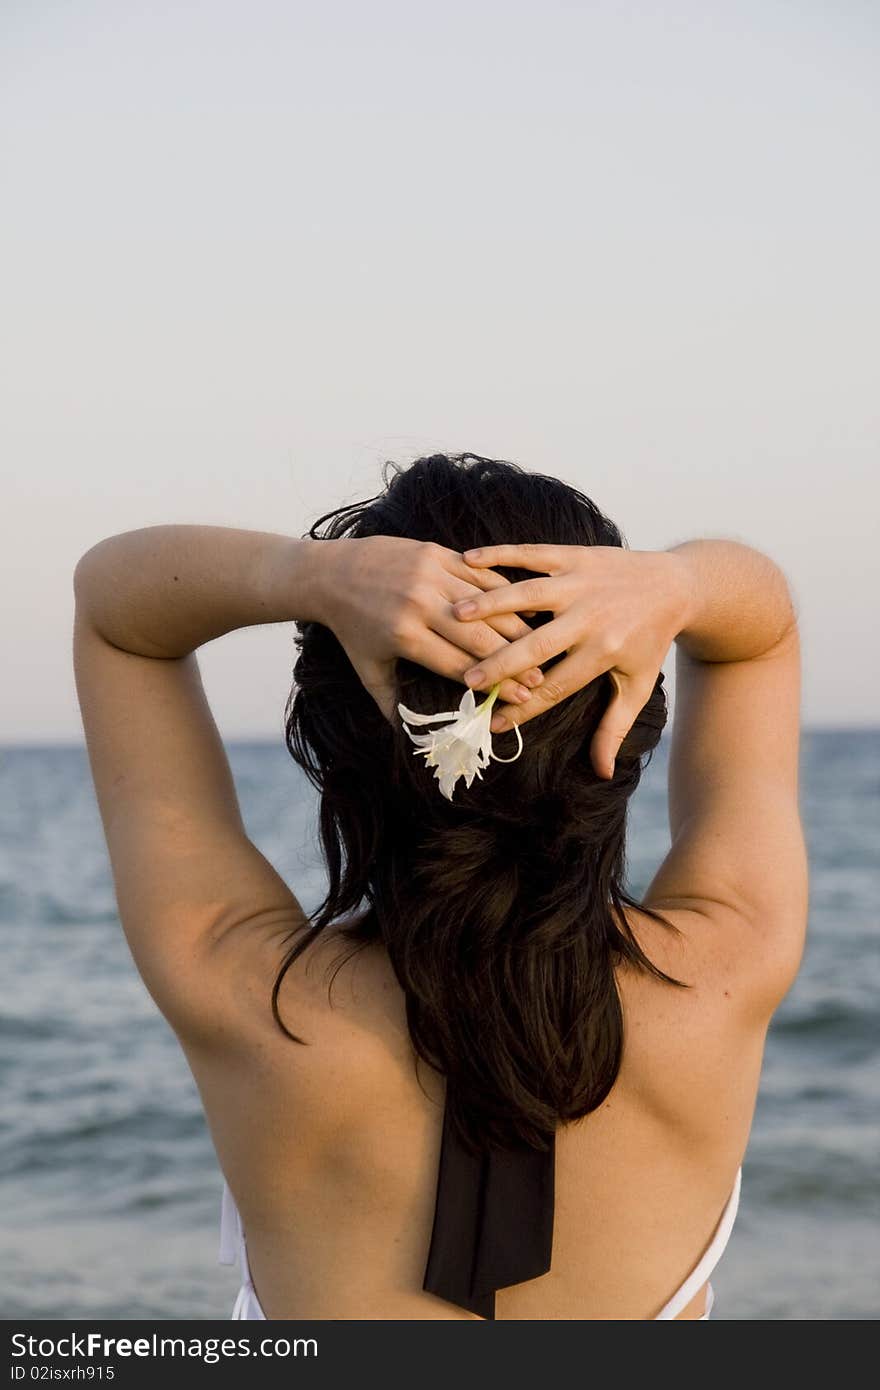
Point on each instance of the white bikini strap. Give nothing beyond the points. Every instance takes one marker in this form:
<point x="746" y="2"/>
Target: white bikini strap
<point x="239" y="1307"/>
<point x="230" y="1228"/>
<point x="714" y="1251"/>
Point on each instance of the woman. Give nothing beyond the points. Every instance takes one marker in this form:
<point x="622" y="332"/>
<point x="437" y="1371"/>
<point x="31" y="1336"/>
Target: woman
<point x="481" y="1080"/>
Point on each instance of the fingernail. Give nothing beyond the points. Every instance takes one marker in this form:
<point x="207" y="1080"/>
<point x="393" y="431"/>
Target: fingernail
<point x="499" y="723"/>
<point x="475" y="678"/>
<point x="466" y="607"/>
<point x="520" y="692"/>
<point x="472" y="554"/>
<point x="533" y="678"/>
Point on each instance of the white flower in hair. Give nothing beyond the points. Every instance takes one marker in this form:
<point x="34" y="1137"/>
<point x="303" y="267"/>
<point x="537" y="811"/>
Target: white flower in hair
<point x="465" y="746"/>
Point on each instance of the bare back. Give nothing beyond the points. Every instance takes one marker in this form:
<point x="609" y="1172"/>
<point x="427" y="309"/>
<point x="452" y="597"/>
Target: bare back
<point x="332" y="1150"/>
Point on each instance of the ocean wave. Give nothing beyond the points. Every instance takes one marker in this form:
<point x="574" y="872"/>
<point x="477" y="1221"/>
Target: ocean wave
<point x="828" y="1018"/>
<point x="57" y="1027"/>
<point x="826" y="1180"/>
<point x="21" y="904"/>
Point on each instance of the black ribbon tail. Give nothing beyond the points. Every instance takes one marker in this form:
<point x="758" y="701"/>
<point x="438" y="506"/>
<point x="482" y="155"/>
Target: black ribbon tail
<point x="493" y="1221"/>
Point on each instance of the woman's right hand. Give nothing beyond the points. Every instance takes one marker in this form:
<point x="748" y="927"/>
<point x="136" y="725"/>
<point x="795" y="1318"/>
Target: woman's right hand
<point x="615" y="610"/>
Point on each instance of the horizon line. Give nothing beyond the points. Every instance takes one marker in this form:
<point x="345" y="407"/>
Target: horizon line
<point x="271" y="740"/>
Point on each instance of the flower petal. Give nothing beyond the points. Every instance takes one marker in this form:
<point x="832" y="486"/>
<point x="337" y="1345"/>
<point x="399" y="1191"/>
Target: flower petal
<point x="468" y="702"/>
<point x="422" y="740"/>
<point x="412" y="718"/>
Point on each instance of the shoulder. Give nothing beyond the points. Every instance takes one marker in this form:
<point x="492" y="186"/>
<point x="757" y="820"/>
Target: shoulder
<point x="350" y="1054"/>
<point x="724" y="958"/>
<point x="693" y="1051"/>
<point x="337" y="991"/>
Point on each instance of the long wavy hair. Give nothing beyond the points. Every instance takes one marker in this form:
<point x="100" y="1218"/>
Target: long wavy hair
<point x="495" y="909"/>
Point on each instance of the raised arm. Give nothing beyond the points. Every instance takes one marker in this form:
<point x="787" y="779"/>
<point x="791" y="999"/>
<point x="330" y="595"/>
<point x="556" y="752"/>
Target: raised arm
<point x="738" y="850"/>
<point x="737" y="841"/>
<point x="188" y="880"/>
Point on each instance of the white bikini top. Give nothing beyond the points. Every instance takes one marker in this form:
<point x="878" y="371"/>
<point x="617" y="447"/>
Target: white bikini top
<point x="233" y="1246"/>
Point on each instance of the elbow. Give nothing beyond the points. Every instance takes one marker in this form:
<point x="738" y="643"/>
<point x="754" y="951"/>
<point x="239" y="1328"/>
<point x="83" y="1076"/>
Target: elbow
<point x="87" y="564"/>
<point x="81" y="575"/>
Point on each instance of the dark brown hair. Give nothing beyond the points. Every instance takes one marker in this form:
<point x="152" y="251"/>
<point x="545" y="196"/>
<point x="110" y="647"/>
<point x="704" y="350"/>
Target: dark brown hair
<point x="495" y="908"/>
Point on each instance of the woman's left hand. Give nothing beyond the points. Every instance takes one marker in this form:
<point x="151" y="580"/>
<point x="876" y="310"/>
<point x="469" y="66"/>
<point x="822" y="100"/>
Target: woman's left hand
<point x="386" y="597"/>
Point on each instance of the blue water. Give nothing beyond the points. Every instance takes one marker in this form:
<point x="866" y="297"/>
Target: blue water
<point x="109" y="1188"/>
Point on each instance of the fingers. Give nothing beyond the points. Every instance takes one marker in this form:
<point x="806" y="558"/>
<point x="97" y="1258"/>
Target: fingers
<point x="623" y="710"/>
<point x="564" y="679"/>
<point x="475" y="641"/>
<point x="529" y="595"/>
<point x="377" y="678"/>
<point x="477" y="638"/>
<point x="437" y="654"/>
<point x="539" y="646"/>
<point x="550" y="559"/>
<point x="510" y="625"/>
<point x="471" y="574"/>
<point x="567" y="676"/>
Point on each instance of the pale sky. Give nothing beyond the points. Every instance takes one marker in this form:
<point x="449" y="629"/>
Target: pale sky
<point x="251" y="250"/>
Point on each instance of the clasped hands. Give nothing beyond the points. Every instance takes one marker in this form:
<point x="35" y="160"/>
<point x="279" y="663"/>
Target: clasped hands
<point x="614" y="610"/>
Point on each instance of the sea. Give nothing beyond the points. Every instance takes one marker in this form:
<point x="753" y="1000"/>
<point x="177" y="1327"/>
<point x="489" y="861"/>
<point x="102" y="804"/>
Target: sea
<point x="109" y="1185"/>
